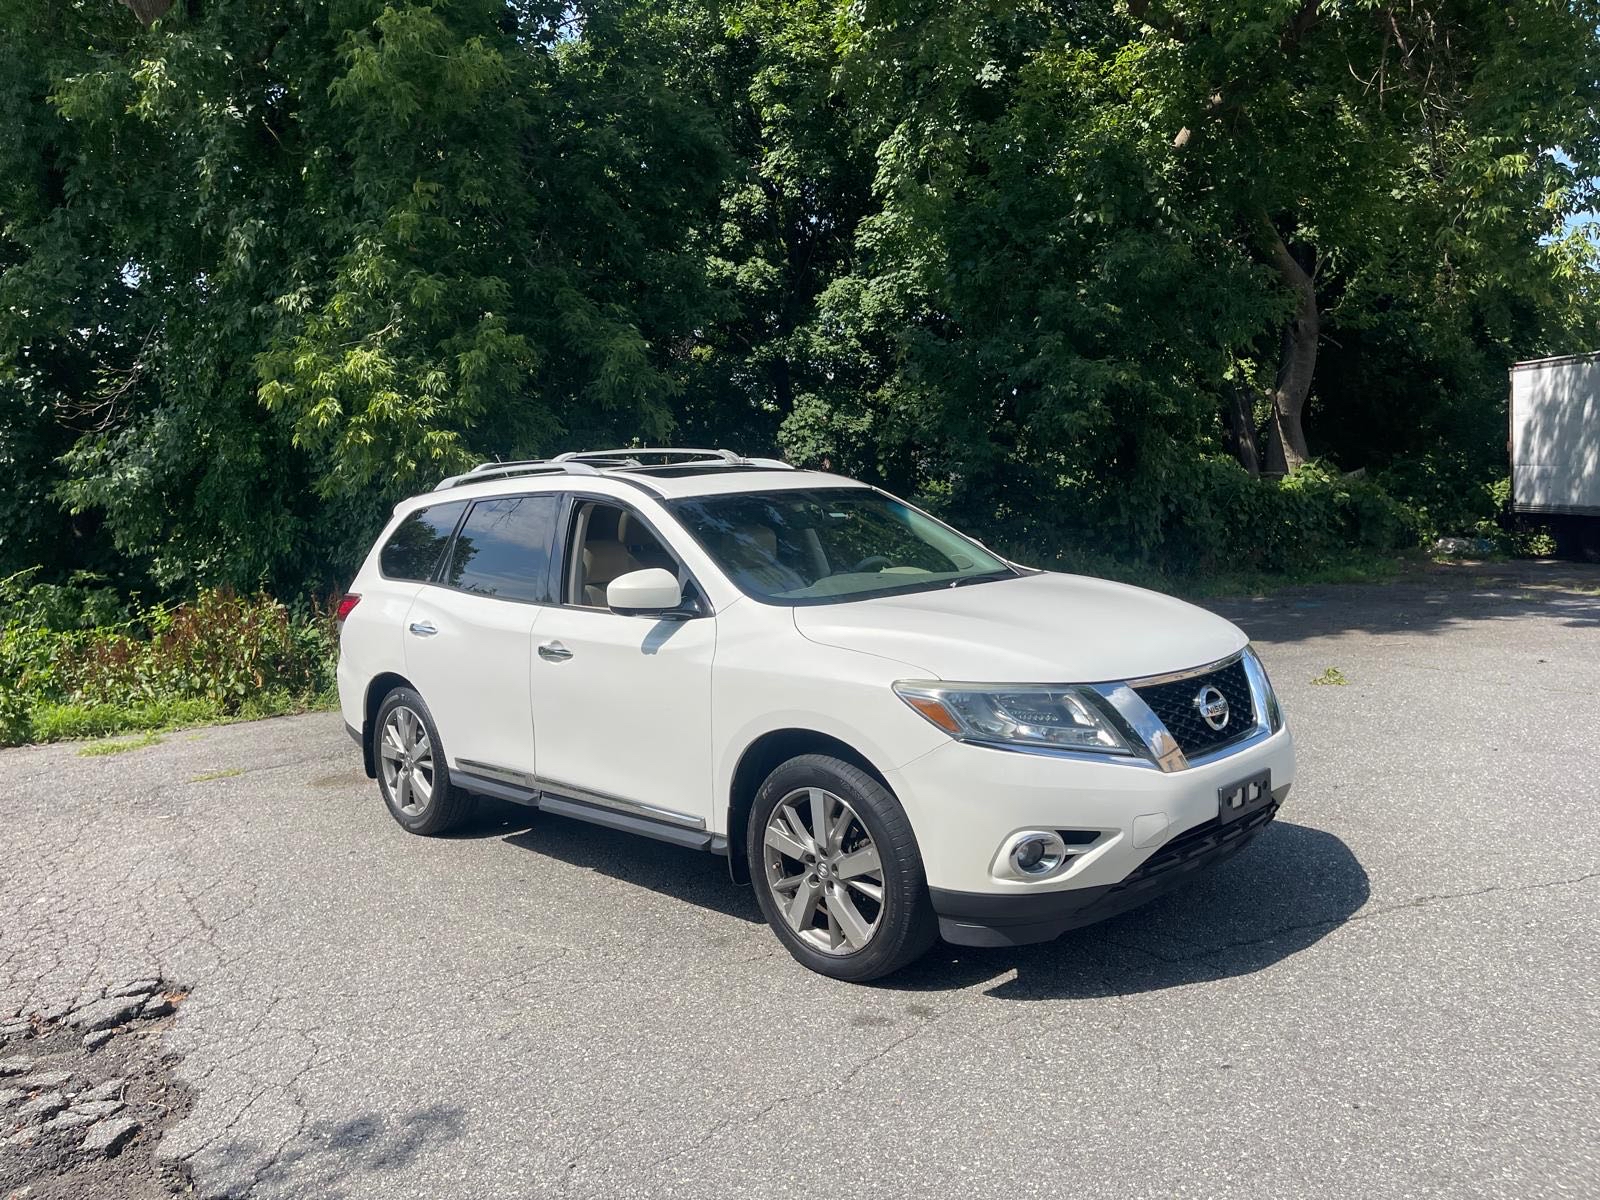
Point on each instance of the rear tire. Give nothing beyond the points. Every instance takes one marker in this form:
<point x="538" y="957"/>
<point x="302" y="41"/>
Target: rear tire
<point x="413" y="774"/>
<point x="836" y="870"/>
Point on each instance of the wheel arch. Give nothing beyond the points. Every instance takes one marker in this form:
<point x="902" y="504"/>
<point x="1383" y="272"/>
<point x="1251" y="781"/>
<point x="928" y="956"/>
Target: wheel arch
<point x="379" y="687"/>
<point x="763" y="756"/>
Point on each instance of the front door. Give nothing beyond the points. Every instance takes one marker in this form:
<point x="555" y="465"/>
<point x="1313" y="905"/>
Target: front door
<point x="469" y="635"/>
<point x="622" y="705"/>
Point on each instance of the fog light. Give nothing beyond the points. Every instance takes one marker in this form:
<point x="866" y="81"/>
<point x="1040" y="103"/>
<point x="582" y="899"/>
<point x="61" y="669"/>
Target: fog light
<point x="1029" y="854"/>
<point x="1036" y="853"/>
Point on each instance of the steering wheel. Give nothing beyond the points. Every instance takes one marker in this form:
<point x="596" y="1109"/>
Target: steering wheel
<point x="866" y="564"/>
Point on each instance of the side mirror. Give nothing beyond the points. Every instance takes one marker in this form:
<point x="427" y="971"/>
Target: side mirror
<point x="650" y="592"/>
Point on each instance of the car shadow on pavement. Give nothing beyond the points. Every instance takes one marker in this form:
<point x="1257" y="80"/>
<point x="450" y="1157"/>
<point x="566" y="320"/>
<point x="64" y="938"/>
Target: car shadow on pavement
<point x="1282" y="894"/>
<point x="692" y="876"/>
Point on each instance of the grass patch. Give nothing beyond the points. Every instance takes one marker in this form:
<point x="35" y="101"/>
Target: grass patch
<point x="285" y="704"/>
<point x="73" y="722"/>
<point x="1332" y="677"/>
<point x="69" y="722"/>
<point x="225" y="773"/>
<point x="100" y="749"/>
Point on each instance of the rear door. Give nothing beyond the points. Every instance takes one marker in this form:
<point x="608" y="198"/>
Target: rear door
<point x="468" y="635"/>
<point x="373" y="640"/>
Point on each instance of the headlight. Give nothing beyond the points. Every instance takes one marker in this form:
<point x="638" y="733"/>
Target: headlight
<point x="1018" y="714"/>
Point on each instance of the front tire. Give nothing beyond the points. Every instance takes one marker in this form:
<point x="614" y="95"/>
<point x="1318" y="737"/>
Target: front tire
<point x="837" y="871"/>
<point x="413" y="774"/>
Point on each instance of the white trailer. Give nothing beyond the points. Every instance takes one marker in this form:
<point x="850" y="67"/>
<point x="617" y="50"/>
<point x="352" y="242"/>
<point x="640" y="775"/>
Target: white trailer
<point x="1555" y="443"/>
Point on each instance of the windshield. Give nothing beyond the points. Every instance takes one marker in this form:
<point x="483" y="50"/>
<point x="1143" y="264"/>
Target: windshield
<point x="825" y="545"/>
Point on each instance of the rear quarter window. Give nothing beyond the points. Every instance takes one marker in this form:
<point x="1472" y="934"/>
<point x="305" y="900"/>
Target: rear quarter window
<point x="417" y="543"/>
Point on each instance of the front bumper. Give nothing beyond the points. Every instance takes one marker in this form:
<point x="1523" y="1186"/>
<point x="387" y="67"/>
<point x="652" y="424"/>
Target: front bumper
<point x="987" y="919"/>
<point x="1155" y="829"/>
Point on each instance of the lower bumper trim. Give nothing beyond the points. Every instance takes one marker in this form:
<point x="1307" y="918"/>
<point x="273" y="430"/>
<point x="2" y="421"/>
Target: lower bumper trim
<point x="1010" y="919"/>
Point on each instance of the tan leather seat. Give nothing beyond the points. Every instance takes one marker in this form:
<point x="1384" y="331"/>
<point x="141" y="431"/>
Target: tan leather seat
<point x="603" y="562"/>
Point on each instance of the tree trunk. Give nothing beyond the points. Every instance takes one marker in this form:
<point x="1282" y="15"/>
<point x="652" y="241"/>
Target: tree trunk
<point x="1241" y="430"/>
<point x="1297" y="364"/>
<point x="148" y="11"/>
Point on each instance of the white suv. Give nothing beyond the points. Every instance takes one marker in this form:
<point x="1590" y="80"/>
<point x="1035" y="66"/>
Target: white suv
<point x="891" y="731"/>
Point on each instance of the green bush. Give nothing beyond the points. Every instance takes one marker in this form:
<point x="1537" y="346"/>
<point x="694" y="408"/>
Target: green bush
<point x="65" y="675"/>
<point x="1218" y="523"/>
<point x="1449" y="497"/>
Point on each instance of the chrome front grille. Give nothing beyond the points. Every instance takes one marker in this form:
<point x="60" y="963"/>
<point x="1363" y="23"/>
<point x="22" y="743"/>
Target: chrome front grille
<point x="1177" y="704"/>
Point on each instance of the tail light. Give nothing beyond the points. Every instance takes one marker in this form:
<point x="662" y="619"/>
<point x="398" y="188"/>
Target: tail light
<point x="347" y="605"/>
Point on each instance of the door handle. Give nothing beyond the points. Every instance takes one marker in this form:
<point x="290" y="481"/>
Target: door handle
<point x="554" y="652"/>
<point x="424" y="628"/>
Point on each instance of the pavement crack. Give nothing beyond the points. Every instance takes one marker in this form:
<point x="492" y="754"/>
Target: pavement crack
<point x="716" y="1128"/>
<point x="750" y="1120"/>
<point x="881" y="1052"/>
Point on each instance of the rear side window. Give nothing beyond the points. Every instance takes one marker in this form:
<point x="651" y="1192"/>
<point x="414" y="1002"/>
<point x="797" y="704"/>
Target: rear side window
<point x="415" y="547"/>
<point x="503" y="549"/>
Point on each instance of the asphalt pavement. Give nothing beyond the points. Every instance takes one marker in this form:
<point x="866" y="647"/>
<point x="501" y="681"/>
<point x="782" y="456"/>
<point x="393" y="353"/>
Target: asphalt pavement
<point x="1394" y="992"/>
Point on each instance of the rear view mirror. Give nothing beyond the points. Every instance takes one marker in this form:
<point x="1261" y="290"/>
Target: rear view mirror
<point x="650" y="592"/>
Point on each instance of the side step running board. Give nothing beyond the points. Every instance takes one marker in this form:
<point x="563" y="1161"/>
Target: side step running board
<point x="566" y="806"/>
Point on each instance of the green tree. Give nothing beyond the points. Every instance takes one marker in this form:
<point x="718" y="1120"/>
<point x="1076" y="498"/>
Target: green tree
<point x="310" y="257"/>
<point x="1384" y="159"/>
<point x="1044" y="318"/>
<point x="795" y="191"/>
<point x="265" y="267"/>
<point x="1108" y="242"/>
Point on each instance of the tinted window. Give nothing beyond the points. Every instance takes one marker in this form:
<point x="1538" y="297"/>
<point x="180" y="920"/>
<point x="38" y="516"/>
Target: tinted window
<point x="413" y="549"/>
<point x="503" y="549"/>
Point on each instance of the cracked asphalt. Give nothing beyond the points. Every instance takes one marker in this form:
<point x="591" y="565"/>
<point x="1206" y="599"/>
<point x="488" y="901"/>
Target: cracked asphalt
<point x="1394" y="992"/>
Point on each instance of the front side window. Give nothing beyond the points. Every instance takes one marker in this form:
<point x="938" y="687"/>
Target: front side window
<point x="503" y="549"/>
<point x="413" y="549"/>
<point x="608" y="542"/>
<point x="826" y="545"/>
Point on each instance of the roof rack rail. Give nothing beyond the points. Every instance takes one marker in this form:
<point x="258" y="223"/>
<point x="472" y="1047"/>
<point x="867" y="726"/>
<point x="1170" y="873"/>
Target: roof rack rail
<point x="531" y="466"/>
<point x="630" y="454"/>
<point x="771" y="464"/>
<point x="630" y="459"/>
<point x="593" y="462"/>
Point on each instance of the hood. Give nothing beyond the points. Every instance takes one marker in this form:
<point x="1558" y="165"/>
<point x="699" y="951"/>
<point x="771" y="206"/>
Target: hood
<point x="1044" y="628"/>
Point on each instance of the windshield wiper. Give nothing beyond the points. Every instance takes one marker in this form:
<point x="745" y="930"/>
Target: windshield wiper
<point x="984" y="577"/>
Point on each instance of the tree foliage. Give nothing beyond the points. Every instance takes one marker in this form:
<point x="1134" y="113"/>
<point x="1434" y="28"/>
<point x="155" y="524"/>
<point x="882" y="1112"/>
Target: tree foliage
<point x="1069" y="270"/>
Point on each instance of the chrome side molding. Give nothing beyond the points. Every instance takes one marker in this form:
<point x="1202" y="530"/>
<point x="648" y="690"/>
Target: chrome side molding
<point x="636" y="808"/>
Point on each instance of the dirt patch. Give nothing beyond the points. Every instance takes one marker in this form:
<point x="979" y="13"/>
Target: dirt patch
<point x="341" y="781"/>
<point x="86" y="1092"/>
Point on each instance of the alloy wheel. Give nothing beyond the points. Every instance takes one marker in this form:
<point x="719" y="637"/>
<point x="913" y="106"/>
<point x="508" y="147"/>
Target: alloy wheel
<point x="823" y="871"/>
<point x="407" y="755"/>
